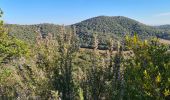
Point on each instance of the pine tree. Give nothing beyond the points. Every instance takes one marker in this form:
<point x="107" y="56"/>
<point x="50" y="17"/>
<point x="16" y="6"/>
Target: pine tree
<point x="118" y="73"/>
<point x="68" y="47"/>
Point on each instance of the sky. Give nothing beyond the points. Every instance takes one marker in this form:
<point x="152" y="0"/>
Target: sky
<point x="150" y="12"/>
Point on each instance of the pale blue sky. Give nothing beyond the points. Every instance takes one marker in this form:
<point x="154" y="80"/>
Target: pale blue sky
<point x="152" y="12"/>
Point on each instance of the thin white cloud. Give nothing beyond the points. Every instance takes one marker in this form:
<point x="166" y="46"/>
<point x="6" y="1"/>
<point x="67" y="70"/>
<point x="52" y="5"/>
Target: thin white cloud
<point x="163" y="14"/>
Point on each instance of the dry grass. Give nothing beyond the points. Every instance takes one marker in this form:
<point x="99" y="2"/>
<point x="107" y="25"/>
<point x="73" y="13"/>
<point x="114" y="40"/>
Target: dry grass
<point x="106" y="52"/>
<point x="163" y="41"/>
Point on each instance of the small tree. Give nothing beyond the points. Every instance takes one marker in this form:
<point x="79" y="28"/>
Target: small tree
<point x="147" y="72"/>
<point x="67" y="48"/>
<point x="11" y="51"/>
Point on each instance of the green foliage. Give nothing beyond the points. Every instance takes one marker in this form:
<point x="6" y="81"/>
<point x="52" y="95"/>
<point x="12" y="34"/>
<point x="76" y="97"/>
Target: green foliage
<point x="11" y="50"/>
<point x="116" y="27"/>
<point x="10" y="47"/>
<point x="53" y="67"/>
<point x="150" y="68"/>
<point x="81" y="94"/>
<point x="28" y="33"/>
<point x="63" y="75"/>
<point x="105" y="27"/>
<point x="166" y="31"/>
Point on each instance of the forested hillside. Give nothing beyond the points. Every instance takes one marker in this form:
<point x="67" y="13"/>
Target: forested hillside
<point x="54" y="67"/>
<point x="166" y="31"/>
<point x="104" y="26"/>
<point x="29" y="32"/>
<point x="163" y="27"/>
<point x="118" y="25"/>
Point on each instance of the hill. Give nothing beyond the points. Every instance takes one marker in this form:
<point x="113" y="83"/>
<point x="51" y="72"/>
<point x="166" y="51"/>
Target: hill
<point x="166" y="31"/>
<point x="28" y="32"/>
<point x="163" y="27"/>
<point x="117" y="25"/>
<point x="104" y="26"/>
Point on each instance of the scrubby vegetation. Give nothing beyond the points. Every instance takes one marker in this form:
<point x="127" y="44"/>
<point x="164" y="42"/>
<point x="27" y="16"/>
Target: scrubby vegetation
<point x="55" y="67"/>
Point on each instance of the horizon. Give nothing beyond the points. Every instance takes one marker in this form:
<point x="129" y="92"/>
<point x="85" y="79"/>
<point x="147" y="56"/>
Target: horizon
<point x="81" y="21"/>
<point x="66" y="12"/>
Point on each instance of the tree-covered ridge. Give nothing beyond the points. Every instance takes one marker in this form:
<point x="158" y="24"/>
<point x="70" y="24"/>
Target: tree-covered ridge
<point x="29" y="32"/>
<point x="166" y="31"/>
<point x="104" y="26"/>
<point x="164" y="27"/>
<point x="118" y="25"/>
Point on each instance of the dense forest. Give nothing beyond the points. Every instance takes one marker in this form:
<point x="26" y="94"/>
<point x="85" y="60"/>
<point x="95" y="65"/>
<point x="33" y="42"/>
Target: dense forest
<point x="38" y="64"/>
<point x="104" y="26"/>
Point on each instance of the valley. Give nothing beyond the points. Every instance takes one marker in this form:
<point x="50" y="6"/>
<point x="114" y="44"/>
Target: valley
<point x="95" y="58"/>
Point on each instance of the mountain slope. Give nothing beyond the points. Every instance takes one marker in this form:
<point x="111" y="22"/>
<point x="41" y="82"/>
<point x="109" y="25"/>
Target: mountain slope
<point x="104" y="26"/>
<point x="117" y="25"/>
<point x="163" y="27"/>
<point x="28" y="32"/>
<point x="165" y="31"/>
